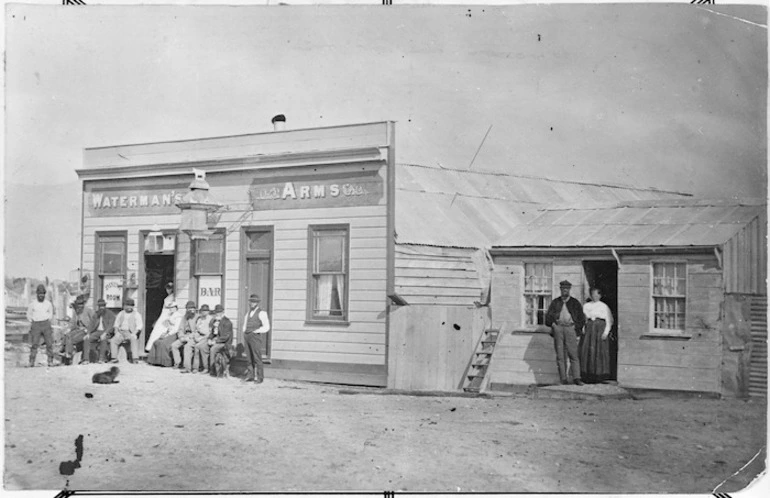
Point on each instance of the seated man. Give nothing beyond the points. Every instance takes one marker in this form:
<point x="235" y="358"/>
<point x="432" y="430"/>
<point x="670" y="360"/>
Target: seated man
<point x="75" y="338"/>
<point x="197" y="347"/>
<point x="128" y="326"/>
<point x="184" y="335"/>
<point x="224" y="333"/>
<point x="101" y="332"/>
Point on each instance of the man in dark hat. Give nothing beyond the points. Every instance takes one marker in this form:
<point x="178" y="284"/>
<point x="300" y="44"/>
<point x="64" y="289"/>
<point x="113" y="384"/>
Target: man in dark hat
<point x="198" y="348"/>
<point x="566" y="319"/>
<point x="222" y="329"/>
<point x="128" y="326"/>
<point x="100" y="332"/>
<point x="40" y="316"/>
<point x="184" y="335"/>
<point x="76" y="338"/>
<point x="255" y="325"/>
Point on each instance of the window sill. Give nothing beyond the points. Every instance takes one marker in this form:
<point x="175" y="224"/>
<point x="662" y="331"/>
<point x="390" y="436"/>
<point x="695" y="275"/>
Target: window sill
<point x="343" y="323"/>
<point x="667" y="335"/>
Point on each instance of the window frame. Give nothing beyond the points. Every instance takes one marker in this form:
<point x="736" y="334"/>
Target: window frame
<point x="195" y="275"/>
<point x="524" y="294"/>
<point x="653" y="330"/>
<point x="99" y="274"/>
<point x="310" y="316"/>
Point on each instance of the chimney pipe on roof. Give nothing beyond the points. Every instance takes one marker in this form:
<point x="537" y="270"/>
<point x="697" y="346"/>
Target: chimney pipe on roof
<point x="279" y="122"/>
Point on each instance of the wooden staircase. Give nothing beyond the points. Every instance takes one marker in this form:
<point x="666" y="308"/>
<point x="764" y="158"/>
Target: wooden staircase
<point x="758" y="366"/>
<point x="477" y="370"/>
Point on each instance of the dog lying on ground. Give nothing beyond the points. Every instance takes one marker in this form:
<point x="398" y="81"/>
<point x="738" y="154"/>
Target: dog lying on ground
<point x="106" y="377"/>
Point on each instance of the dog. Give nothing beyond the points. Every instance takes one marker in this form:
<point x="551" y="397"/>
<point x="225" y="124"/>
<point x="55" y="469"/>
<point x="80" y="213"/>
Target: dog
<point x="106" y="377"/>
<point x="221" y="365"/>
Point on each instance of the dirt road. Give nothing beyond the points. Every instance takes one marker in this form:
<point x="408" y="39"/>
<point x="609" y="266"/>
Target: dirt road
<point x="162" y="430"/>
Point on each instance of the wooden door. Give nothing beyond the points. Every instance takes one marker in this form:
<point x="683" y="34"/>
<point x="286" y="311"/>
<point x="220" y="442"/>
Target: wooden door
<point x="258" y="278"/>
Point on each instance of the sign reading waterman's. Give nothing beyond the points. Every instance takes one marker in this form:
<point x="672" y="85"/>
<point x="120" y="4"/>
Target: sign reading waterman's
<point x="159" y="200"/>
<point x="293" y="193"/>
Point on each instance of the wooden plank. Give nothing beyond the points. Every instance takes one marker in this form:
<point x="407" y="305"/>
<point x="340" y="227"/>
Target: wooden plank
<point x="355" y="285"/>
<point x="431" y="282"/>
<point x="328" y="347"/>
<point x="675" y="378"/>
<point x="439" y="291"/>
<point x="329" y="357"/>
<point x="442" y="264"/>
<point x="284" y="235"/>
<point x="369" y="333"/>
<point x="453" y="273"/>
<point x="465" y="302"/>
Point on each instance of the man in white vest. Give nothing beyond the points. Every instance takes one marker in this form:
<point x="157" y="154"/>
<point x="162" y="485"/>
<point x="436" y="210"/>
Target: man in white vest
<point x="255" y="325"/>
<point x="128" y="326"/>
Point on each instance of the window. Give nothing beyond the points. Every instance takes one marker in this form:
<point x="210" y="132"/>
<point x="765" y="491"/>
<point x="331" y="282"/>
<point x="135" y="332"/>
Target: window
<point x="111" y="268"/>
<point x="209" y="269"/>
<point x="669" y="295"/>
<point x="328" y="281"/>
<point x="538" y="291"/>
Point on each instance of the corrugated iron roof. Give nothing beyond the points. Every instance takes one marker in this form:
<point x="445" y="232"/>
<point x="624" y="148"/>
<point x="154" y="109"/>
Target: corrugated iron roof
<point x="657" y="223"/>
<point x="458" y="208"/>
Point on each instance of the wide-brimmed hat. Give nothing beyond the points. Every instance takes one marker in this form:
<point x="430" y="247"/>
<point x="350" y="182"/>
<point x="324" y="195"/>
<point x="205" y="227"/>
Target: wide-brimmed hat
<point x="254" y="298"/>
<point x="40" y="288"/>
<point x="565" y="283"/>
<point x="129" y="302"/>
<point x="190" y="304"/>
<point x="205" y="307"/>
<point x="80" y="300"/>
<point x="218" y="308"/>
<point x="100" y="302"/>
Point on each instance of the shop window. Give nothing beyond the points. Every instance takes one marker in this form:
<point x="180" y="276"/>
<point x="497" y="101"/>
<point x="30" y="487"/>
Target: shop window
<point x="538" y="292"/>
<point x="209" y="269"/>
<point x="328" y="282"/>
<point x="669" y="296"/>
<point x="111" y="268"/>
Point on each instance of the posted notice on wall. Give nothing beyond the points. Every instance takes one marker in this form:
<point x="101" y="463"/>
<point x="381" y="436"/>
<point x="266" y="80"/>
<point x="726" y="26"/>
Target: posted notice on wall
<point x="209" y="290"/>
<point x="112" y="291"/>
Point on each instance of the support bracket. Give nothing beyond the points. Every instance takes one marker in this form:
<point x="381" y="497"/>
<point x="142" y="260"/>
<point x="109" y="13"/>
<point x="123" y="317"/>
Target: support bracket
<point x="616" y="256"/>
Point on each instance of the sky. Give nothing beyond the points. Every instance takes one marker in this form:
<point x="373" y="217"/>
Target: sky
<point x="666" y="96"/>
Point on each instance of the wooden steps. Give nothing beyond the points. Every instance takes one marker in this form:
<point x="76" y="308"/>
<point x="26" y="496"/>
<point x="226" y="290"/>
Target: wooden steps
<point x="479" y="363"/>
<point x="758" y="366"/>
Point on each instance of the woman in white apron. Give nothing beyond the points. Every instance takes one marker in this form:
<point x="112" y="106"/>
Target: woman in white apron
<point x="161" y="324"/>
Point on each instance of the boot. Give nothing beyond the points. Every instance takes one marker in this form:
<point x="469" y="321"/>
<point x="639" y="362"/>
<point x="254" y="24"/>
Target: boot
<point x="250" y="374"/>
<point x="32" y="356"/>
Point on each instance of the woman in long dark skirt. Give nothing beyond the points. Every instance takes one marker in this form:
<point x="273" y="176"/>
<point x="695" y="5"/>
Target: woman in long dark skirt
<point x="160" y="352"/>
<point x="594" y="344"/>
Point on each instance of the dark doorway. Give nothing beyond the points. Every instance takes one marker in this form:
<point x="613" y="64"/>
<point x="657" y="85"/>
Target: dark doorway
<point x="158" y="271"/>
<point x="257" y="263"/>
<point x="604" y="275"/>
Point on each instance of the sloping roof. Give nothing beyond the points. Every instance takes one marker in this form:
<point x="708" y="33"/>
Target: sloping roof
<point x="459" y="208"/>
<point x="658" y="223"/>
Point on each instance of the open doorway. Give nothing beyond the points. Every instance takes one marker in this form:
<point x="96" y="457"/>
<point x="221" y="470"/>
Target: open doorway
<point x="158" y="271"/>
<point x="604" y="275"/>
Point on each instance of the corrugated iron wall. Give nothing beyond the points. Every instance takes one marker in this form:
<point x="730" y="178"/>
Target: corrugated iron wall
<point x="745" y="259"/>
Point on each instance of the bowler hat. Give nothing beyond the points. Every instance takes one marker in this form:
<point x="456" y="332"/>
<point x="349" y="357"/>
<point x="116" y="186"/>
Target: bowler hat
<point x="254" y="298"/>
<point x="565" y="283"/>
<point x="218" y="308"/>
<point x="170" y="285"/>
<point x="205" y="307"/>
<point x="100" y="302"/>
<point x="190" y="304"/>
<point x="129" y="302"/>
<point x="80" y="300"/>
<point x="40" y="288"/>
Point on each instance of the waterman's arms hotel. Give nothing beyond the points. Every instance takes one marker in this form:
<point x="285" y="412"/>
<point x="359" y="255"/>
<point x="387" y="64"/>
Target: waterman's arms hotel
<point x="379" y="272"/>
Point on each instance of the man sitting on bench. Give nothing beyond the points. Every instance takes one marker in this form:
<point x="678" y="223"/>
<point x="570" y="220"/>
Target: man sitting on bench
<point x="224" y="333"/>
<point x="101" y="332"/>
<point x="128" y="326"/>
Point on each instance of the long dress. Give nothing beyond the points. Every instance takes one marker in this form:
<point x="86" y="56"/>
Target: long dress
<point x="160" y="324"/>
<point x="160" y="353"/>
<point x="593" y="350"/>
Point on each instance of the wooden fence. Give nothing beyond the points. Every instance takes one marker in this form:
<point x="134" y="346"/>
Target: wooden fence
<point x="430" y="346"/>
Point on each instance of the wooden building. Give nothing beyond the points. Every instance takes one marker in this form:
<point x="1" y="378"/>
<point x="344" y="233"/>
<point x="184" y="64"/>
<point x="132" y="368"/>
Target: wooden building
<point x="685" y="279"/>
<point x="373" y="272"/>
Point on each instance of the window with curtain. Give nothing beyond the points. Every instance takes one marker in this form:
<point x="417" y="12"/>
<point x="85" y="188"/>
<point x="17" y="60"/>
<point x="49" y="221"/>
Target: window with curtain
<point x="669" y="296"/>
<point x="111" y="268"/>
<point x="328" y="258"/>
<point x="538" y="291"/>
<point x="209" y="269"/>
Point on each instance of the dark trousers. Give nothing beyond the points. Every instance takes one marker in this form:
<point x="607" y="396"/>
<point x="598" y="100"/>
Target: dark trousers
<point x="254" y="353"/>
<point x="566" y="344"/>
<point x="77" y="340"/>
<point x="35" y="331"/>
<point x="98" y="347"/>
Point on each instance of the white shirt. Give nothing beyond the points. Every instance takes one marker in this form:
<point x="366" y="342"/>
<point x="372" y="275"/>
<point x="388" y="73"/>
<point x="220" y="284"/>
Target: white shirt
<point x="262" y="317"/>
<point x="597" y="310"/>
<point x="40" y="312"/>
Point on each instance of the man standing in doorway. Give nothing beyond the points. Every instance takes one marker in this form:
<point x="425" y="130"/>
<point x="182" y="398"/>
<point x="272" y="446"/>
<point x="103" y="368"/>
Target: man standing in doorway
<point x="40" y="316"/>
<point x="255" y="325"/>
<point x="128" y="326"/>
<point x="566" y="319"/>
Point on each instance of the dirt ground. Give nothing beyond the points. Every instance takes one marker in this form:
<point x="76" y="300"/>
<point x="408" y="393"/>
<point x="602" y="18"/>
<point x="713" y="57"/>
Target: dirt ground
<point x="161" y="430"/>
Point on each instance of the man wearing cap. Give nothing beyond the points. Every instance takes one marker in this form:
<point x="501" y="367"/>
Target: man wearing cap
<point x="197" y="347"/>
<point x="76" y="338"/>
<point x="184" y="335"/>
<point x="566" y="319"/>
<point x="255" y="325"/>
<point x="128" y="326"/>
<point x="100" y="332"/>
<point x="40" y="315"/>
<point x="222" y="328"/>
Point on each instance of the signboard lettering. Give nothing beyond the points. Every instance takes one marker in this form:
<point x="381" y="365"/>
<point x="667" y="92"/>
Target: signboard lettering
<point x="359" y="190"/>
<point x="209" y="290"/>
<point x="134" y="202"/>
<point x="112" y="291"/>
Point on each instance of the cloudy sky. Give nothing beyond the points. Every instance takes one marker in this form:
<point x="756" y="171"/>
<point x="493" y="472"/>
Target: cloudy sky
<point x="668" y="96"/>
